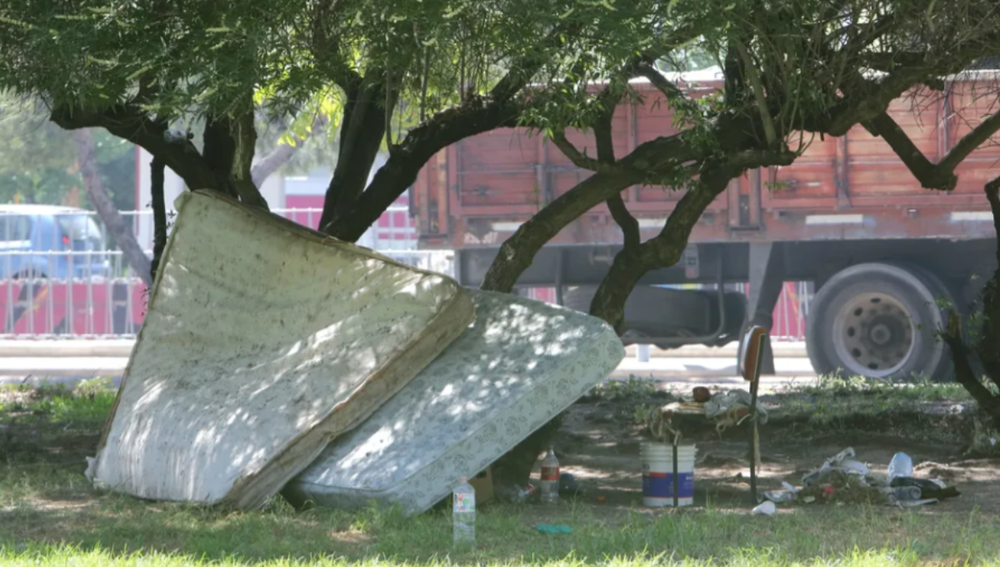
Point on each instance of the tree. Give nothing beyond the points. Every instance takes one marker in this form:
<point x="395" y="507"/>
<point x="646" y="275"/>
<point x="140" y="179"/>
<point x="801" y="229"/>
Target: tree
<point x="37" y="163"/>
<point x="416" y="76"/>
<point x="804" y="68"/>
<point x="972" y="332"/>
<point x="439" y="70"/>
<point x="120" y="232"/>
<point x="791" y="69"/>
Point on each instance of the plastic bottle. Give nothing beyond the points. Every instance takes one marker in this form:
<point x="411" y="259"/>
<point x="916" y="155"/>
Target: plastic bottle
<point x="906" y="493"/>
<point x="900" y="465"/>
<point x="550" y="477"/>
<point x="464" y="513"/>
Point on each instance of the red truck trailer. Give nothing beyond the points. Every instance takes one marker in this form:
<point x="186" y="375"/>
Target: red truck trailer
<point x="881" y="250"/>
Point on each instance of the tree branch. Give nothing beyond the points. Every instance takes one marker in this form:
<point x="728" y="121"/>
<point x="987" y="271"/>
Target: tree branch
<point x="964" y="373"/>
<point x="668" y="246"/>
<point x="625" y="220"/>
<point x="132" y="124"/>
<point x="518" y="251"/>
<point x="362" y="132"/>
<point x="112" y="219"/>
<point x="758" y="92"/>
<point x="940" y="176"/>
<point x="656" y="78"/>
<point x="978" y="136"/>
<point x="226" y="152"/>
<point x="159" y="214"/>
<point x="474" y="115"/>
<point x="575" y="156"/>
<point x="657" y="161"/>
<point x="929" y="175"/>
<point x="282" y="154"/>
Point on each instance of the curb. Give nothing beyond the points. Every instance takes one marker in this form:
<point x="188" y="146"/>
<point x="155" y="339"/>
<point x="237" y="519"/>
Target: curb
<point x="65" y="348"/>
<point x="781" y="350"/>
<point x="100" y="348"/>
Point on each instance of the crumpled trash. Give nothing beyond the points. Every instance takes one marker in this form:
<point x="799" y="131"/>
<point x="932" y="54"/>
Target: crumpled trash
<point x="778" y="496"/>
<point x="929" y="488"/>
<point x="766" y="508"/>
<point x="732" y="408"/>
<point x="514" y="493"/>
<point x="844" y="462"/>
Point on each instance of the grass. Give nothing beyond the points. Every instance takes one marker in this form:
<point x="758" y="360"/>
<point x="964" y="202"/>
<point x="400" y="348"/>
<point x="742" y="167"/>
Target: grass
<point x="50" y="515"/>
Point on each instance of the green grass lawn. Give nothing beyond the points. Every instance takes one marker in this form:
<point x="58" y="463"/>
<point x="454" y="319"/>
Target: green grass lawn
<point x="49" y="515"/>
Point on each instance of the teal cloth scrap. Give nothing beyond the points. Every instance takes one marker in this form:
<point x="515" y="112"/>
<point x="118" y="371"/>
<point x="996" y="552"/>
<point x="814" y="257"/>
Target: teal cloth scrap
<point x="550" y="529"/>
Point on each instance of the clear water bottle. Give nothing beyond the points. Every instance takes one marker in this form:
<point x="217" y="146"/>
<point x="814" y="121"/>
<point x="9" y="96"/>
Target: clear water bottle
<point x="550" y="477"/>
<point x="464" y="513"/>
<point x="900" y="465"/>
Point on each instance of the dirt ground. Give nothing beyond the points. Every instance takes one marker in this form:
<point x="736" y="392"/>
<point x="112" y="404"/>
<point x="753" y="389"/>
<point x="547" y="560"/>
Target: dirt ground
<point x="599" y="444"/>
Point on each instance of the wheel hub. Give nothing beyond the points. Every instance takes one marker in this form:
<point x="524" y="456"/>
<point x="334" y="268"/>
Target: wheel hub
<point x="873" y="335"/>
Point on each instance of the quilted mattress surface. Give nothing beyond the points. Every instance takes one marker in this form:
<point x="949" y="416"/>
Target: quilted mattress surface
<point x="262" y="342"/>
<point x="519" y="365"/>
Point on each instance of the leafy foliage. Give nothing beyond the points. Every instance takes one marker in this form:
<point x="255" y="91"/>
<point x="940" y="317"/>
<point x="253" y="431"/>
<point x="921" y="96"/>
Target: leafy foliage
<point x="38" y="159"/>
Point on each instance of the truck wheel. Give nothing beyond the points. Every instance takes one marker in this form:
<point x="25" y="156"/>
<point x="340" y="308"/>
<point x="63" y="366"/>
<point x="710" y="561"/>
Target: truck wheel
<point x="879" y="321"/>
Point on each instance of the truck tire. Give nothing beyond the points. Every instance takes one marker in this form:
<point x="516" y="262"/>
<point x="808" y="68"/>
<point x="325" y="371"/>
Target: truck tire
<point x="880" y="321"/>
<point x="664" y="312"/>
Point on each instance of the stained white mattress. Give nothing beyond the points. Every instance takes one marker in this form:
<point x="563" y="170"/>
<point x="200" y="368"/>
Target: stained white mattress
<point x="263" y="341"/>
<point x="519" y="365"/>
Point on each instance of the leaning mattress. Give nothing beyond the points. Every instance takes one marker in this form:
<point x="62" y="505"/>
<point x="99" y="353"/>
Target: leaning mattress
<point x="263" y="340"/>
<point x="519" y="365"/>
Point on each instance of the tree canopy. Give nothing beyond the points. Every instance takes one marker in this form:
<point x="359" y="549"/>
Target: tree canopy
<point x="414" y="76"/>
<point x="38" y="161"/>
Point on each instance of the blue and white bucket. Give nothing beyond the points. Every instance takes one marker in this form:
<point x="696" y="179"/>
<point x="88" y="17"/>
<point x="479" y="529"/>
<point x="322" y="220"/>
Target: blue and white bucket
<point x="658" y="474"/>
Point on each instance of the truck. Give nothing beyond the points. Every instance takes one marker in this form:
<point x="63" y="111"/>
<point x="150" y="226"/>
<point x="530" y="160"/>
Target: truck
<point x="886" y="256"/>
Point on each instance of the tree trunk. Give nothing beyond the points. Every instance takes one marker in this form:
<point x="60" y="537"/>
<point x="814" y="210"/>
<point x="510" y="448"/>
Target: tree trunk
<point x="159" y="214"/>
<point x="983" y="348"/>
<point x="518" y="251"/>
<point x="106" y="210"/>
<point x="663" y="251"/>
<point x="362" y="130"/>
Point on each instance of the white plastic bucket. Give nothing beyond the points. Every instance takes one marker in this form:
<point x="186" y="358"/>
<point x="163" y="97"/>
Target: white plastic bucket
<point x="658" y="474"/>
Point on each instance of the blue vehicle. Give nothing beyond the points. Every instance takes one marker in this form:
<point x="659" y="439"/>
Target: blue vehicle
<point x="50" y="241"/>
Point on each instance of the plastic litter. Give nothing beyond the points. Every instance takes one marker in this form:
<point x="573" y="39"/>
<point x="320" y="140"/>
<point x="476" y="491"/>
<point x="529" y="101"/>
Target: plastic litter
<point x="553" y="529"/>
<point x="766" y="508"/>
<point x="549" y="477"/>
<point x="929" y="488"/>
<point x="568" y="486"/>
<point x="464" y="513"/>
<point x="515" y="493"/>
<point x="788" y="495"/>
<point x="843" y="461"/>
<point x="779" y="497"/>
<point x="900" y="465"/>
<point x="730" y="408"/>
<point x="906" y="493"/>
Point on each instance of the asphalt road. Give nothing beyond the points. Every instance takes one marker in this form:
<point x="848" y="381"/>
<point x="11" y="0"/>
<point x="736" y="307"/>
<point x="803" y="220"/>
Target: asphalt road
<point x="666" y="371"/>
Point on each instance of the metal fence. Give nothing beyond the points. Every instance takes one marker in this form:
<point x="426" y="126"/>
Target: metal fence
<point x="61" y="276"/>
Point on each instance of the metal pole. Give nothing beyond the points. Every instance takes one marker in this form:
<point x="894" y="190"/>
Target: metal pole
<point x="676" y="479"/>
<point x="754" y="440"/>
